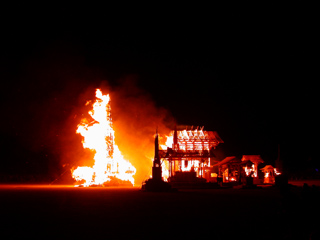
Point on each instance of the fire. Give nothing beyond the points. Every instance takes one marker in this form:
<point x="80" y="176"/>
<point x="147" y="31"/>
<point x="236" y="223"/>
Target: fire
<point x="165" y="165"/>
<point x="98" y="135"/>
<point x="233" y="179"/>
<point x="276" y="172"/>
<point x="251" y="171"/>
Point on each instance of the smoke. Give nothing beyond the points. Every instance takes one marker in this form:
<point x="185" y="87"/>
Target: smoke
<point x="136" y="118"/>
<point x="47" y="101"/>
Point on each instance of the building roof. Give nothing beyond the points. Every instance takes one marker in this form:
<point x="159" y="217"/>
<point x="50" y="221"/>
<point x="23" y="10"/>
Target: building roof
<point x="199" y="135"/>
<point x="252" y="158"/>
<point x="267" y="168"/>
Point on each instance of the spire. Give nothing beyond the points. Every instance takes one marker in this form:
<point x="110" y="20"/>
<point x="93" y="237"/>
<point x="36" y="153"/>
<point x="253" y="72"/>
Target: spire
<point x="156" y="147"/>
<point x="156" y="169"/>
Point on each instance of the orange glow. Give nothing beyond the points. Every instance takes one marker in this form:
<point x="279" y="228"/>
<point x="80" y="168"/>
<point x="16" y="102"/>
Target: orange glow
<point x="98" y="136"/>
<point x="165" y="170"/>
<point x="194" y="141"/>
<point x="164" y="164"/>
<point x="276" y="172"/>
<point x="169" y="142"/>
<point x="233" y="179"/>
<point x="251" y="171"/>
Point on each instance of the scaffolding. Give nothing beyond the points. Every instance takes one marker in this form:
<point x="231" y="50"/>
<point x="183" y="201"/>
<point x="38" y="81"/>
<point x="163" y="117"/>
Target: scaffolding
<point x="191" y="153"/>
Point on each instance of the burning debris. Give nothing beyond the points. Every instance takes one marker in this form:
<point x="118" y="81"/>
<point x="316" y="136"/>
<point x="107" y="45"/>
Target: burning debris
<point x="110" y="168"/>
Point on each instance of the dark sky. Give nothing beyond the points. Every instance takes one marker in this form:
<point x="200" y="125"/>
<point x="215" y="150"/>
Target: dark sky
<point x="247" y="74"/>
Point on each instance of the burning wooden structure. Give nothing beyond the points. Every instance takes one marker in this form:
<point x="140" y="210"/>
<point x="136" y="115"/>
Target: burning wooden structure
<point x="110" y="168"/>
<point x="190" y="155"/>
<point x="270" y="174"/>
<point x="238" y="171"/>
<point x="189" y="161"/>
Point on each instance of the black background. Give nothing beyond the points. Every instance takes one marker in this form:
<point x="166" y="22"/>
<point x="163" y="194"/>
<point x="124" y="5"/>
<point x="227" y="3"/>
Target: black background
<point x="247" y="72"/>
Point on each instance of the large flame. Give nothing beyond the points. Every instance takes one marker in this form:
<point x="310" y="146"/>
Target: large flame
<point x="98" y="135"/>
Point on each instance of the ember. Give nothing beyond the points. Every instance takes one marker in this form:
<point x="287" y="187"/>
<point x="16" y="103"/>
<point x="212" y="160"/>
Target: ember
<point x="98" y="136"/>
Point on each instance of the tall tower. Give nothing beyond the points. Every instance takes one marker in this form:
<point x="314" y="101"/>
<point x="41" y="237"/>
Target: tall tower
<point x="156" y="169"/>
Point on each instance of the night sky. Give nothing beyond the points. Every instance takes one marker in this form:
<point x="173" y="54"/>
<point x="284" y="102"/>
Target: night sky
<point x="249" y="75"/>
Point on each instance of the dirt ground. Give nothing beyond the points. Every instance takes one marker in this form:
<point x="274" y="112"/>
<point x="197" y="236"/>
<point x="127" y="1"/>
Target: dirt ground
<point x="65" y="212"/>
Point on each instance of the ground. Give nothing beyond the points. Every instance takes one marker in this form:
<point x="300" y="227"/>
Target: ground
<point x="66" y="212"/>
